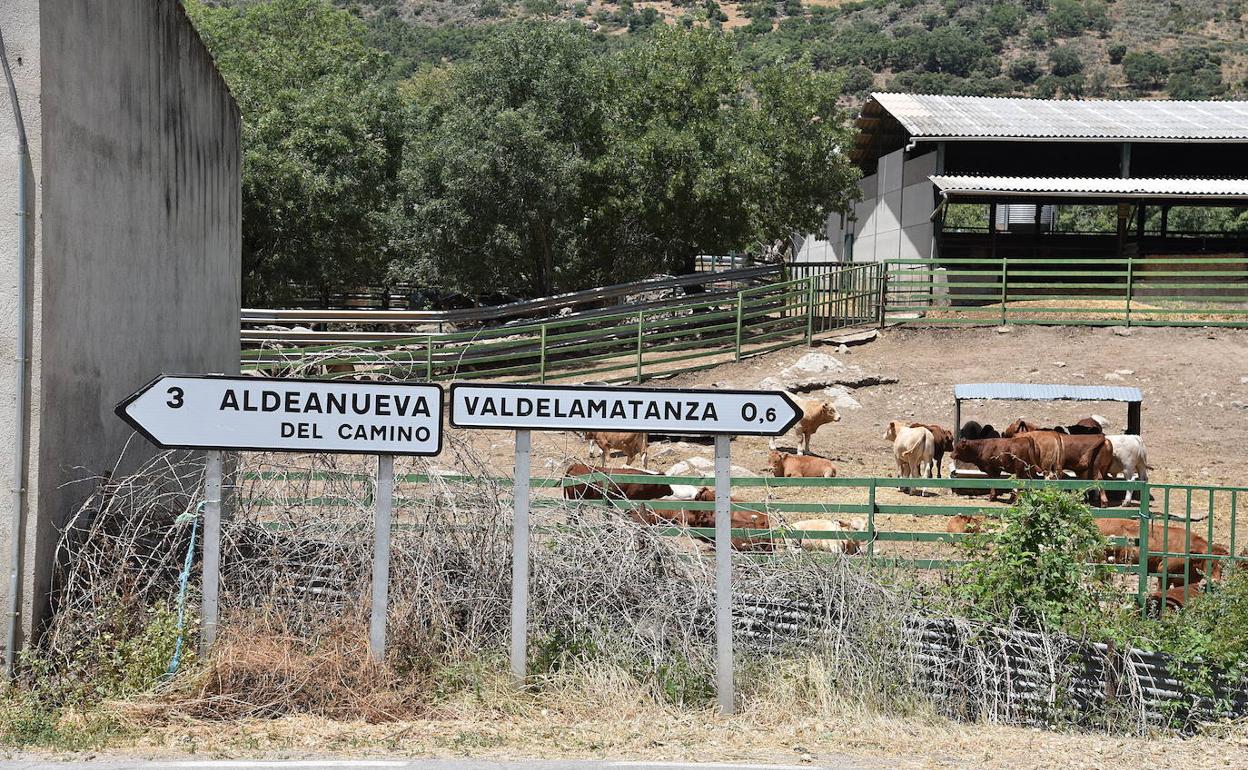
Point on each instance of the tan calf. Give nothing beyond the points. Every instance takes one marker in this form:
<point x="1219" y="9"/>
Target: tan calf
<point x="815" y="413"/>
<point x="630" y="444"/>
<point x="785" y="465"/>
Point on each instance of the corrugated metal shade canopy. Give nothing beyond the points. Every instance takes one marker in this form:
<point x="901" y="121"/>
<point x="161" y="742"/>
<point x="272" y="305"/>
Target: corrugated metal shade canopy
<point x="966" y="185"/>
<point x="1009" y="391"/>
<point x="938" y="115"/>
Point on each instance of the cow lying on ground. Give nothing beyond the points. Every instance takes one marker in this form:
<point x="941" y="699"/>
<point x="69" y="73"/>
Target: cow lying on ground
<point x="740" y="520"/>
<point x="630" y="444"/>
<point x="942" y="441"/>
<point x="815" y="413"/>
<point x="785" y="465"/>
<point x="913" y="448"/>
<point x="964" y="524"/>
<point x="610" y="490"/>
<point x="1196" y="558"/>
<point x="830" y="545"/>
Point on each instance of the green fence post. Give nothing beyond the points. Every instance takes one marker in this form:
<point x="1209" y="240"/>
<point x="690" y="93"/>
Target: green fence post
<point x="640" y="323"/>
<point x="1005" y="279"/>
<point x="871" y="522"/>
<point x="1130" y="280"/>
<point x="881" y="300"/>
<point x="736" y="356"/>
<point x="429" y="358"/>
<point x="1144" y="514"/>
<point x="541" y="365"/>
<point x="810" y="311"/>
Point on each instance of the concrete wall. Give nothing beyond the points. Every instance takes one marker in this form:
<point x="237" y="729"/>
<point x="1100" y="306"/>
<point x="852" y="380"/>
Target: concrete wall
<point x="141" y="201"/>
<point x="891" y="220"/>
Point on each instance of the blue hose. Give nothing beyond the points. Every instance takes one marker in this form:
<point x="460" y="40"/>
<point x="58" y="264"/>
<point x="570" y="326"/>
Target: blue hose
<point x="185" y="579"/>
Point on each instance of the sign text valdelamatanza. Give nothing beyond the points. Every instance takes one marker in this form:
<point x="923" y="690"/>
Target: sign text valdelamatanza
<point x="574" y="406"/>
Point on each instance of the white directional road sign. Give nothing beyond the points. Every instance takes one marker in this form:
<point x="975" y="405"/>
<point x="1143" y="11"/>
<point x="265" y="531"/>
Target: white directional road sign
<point x="651" y="410"/>
<point x="290" y="415"/>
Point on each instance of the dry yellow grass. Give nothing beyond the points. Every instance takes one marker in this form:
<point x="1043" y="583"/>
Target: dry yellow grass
<point x="603" y="714"/>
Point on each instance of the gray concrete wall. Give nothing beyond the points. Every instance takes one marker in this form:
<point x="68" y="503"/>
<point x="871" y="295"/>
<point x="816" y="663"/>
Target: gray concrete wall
<point x="141" y="237"/>
<point x="19" y="22"/>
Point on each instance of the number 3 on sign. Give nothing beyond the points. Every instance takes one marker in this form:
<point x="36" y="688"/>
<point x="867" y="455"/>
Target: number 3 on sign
<point x="175" y="398"/>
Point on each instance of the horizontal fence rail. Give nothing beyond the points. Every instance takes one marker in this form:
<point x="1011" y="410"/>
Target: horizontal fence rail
<point x="368" y="324"/>
<point x="631" y="343"/>
<point x="1111" y="291"/>
<point x="893" y="533"/>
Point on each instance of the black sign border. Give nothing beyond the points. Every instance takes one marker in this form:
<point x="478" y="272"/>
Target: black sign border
<point x="120" y="411"/>
<point x="625" y="389"/>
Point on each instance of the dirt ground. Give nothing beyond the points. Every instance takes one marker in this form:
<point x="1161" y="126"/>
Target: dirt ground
<point x="1195" y="412"/>
<point x="639" y="733"/>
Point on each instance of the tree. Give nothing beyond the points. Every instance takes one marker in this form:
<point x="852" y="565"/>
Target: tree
<point x="499" y="177"/>
<point x="1065" y="61"/>
<point x="321" y="142"/>
<point x="1144" y="69"/>
<point x="543" y="166"/>
<point x="1025" y="70"/>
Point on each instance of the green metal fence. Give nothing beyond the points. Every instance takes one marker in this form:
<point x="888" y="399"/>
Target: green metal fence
<point x="1129" y="291"/>
<point x="631" y="345"/>
<point x="903" y="530"/>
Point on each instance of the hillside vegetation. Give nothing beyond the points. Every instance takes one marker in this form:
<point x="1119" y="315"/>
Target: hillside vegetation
<point x="1182" y="49"/>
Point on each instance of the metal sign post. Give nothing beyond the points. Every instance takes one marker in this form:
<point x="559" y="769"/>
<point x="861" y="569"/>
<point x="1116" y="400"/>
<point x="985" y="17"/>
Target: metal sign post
<point x="383" y="502"/>
<point x="721" y="413"/>
<point x="520" y="559"/>
<point x="216" y="413"/>
<point x="212" y="551"/>
<point x="723" y="575"/>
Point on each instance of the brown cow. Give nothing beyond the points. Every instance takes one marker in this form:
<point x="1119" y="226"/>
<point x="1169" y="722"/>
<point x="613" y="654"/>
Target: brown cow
<point x="1191" y="566"/>
<point x="785" y="465"/>
<point x="999" y="456"/>
<point x="943" y="440"/>
<point x="964" y="524"/>
<point x="630" y="444"/>
<point x="740" y="520"/>
<point x="1086" y="427"/>
<point x="610" y="490"/>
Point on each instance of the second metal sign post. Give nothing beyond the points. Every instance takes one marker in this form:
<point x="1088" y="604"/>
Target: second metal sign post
<point x="721" y="413"/>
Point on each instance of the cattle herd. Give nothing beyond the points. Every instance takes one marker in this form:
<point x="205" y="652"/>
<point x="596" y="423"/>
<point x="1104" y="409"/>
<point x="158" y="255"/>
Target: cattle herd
<point x="1023" y="450"/>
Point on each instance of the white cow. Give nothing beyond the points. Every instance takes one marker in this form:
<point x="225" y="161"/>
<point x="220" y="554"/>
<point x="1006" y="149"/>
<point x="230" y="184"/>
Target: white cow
<point x="914" y="449"/>
<point x="1130" y="459"/>
<point x="847" y="546"/>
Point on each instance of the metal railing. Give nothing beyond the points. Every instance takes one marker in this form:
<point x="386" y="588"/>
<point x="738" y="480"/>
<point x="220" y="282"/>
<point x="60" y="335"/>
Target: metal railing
<point x="631" y="343"/>
<point x="892" y="536"/>
<point x="1112" y="291"/>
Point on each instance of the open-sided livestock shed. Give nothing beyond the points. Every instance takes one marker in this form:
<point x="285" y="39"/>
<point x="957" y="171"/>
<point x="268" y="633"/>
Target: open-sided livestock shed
<point x="1006" y="391"/>
<point x="989" y="200"/>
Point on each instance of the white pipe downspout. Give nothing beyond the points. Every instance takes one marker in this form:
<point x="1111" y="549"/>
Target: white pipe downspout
<point x="22" y="358"/>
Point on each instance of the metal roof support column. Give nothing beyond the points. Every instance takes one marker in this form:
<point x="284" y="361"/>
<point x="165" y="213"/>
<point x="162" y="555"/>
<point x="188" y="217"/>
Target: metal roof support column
<point x="1124" y="160"/>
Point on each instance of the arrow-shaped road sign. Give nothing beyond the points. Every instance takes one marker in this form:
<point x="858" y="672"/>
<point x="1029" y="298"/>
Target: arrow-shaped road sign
<point x="651" y="410"/>
<point x="287" y="415"/>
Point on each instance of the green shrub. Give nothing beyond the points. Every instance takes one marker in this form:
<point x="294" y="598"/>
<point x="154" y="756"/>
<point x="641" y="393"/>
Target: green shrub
<point x="1036" y="565"/>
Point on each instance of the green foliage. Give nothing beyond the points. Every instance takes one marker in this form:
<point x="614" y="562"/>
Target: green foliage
<point x="55" y="702"/>
<point x="542" y="166"/>
<point x="321" y="142"/>
<point x="1145" y="70"/>
<point x="1065" y="61"/>
<point x="1025" y="70"/>
<point x="1115" y="52"/>
<point x="1036" y="566"/>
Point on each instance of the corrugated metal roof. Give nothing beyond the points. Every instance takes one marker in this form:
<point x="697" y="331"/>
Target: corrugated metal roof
<point x="1094" y="186"/>
<point x="1008" y="391"/>
<point x="938" y="115"/>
